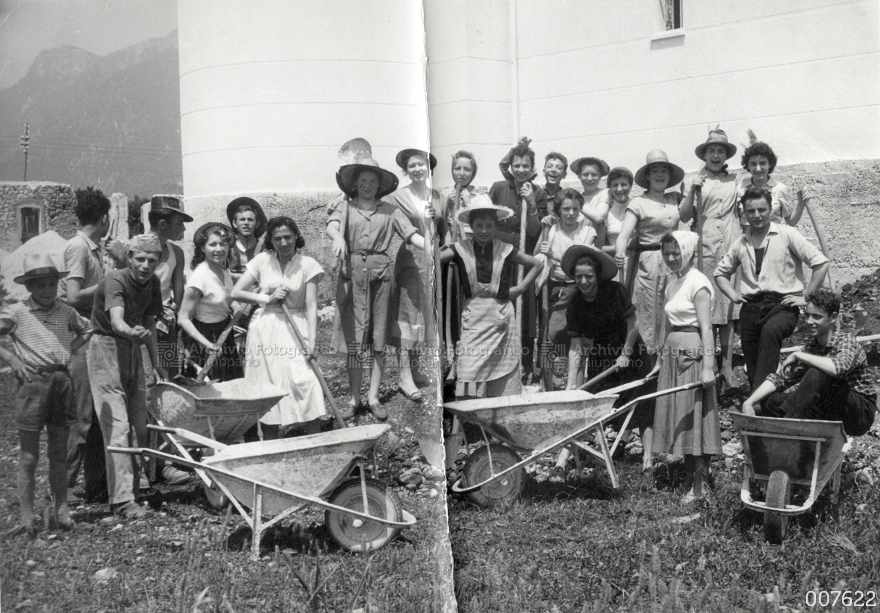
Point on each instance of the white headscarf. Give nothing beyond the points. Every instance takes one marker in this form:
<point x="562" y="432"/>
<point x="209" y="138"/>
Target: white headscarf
<point x="687" y="244"/>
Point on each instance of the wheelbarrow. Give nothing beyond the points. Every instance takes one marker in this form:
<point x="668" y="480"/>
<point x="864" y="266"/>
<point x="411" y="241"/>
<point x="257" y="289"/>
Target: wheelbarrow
<point x="535" y="424"/>
<point x="786" y="452"/>
<point x="222" y="412"/>
<point x="280" y="477"/>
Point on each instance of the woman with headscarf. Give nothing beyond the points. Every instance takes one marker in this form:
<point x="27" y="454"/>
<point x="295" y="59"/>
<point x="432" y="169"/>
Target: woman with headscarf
<point x="686" y="423"/>
<point x="408" y="299"/>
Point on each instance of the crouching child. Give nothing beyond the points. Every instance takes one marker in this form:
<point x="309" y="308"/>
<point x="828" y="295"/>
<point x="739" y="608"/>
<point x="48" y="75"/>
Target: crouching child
<point x="43" y="332"/>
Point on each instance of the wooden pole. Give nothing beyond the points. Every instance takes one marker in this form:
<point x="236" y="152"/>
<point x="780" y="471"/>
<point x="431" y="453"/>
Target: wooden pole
<point x="523" y="214"/>
<point x="698" y="211"/>
<point x="544" y="354"/>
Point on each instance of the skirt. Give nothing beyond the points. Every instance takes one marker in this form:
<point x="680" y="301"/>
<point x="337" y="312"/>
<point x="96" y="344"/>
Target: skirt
<point x="408" y="301"/>
<point x="685" y="423"/>
<point x="650" y="298"/>
<point x="362" y="301"/>
<point x="274" y="356"/>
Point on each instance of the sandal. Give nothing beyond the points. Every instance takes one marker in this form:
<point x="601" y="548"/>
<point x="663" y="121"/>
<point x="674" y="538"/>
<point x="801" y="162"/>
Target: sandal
<point x="416" y="396"/>
<point x="378" y="411"/>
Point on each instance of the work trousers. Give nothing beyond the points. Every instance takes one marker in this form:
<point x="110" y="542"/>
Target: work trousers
<point x="763" y="326"/>
<point x="85" y="445"/>
<point x="821" y="396"/>
<point x="117" y="377"/>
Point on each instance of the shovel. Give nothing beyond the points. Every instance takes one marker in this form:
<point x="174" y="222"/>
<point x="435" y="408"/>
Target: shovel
<point x="212" y="358"/>
<point x="313" y="362"/>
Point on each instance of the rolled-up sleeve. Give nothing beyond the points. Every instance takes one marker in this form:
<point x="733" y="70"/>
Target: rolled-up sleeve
<point x="729" y="263"/>
<point x="336" y="210"/>
<point x="846" y="355"/>
<point x="402" y="224"/>
<point x="807" y="253"/>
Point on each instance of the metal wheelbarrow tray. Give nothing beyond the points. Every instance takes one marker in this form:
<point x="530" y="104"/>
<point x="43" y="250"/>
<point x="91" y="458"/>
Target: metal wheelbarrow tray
<point x="222" y="411"/>
<point x="283" y="476"/>
<point x="783" y="452"/>
<point x="535" y="424"/>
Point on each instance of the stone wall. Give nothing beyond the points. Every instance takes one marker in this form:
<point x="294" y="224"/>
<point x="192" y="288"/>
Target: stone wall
<point x="845" y="198"/>
<point x="57" y="202"/>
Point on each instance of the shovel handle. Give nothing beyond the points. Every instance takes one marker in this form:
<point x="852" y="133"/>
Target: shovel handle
<point x="315" y="368"/>
<point x="602" y="375"/>
<point x="209" y="363"/>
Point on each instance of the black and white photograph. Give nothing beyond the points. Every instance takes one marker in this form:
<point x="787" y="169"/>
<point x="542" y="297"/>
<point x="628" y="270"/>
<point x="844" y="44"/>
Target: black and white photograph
<point x="423" y="305"/>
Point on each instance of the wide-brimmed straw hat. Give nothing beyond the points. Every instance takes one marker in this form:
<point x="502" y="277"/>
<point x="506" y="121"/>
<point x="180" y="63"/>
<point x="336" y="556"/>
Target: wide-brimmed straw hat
<point x="262" y="220"/>
<point x="348" y="174"/>
<point x="482" y="202"/>
<point x="37" y="266"/>
<point x="657" y="156"/>
<point x="403" y="157"/>
<point x="716" y="137"/>
<point x="608" y="268"/>
<point x="168" y="203"/>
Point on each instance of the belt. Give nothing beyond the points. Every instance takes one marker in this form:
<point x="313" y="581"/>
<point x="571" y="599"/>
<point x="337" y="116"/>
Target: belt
<point x="764" y="297"/>
<point x="685" y="329"/>
<point x="48" y="370"/>
<point x="365" y="254"/>
<point x="651" y="247"/>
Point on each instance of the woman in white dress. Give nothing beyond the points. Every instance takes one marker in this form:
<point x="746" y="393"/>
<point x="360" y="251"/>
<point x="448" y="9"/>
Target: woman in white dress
<point x="282" y="273"/>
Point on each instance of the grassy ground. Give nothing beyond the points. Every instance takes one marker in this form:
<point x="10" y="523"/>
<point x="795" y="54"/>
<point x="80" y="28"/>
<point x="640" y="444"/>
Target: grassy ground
<point x="583" y="546"/>
<point x="188" y="557"/>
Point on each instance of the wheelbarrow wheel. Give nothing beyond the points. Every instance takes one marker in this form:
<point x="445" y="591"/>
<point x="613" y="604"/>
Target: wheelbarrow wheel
<point x="500" y="492"/>
<point x="778" y="494"/>
<point x="354" y="534"/>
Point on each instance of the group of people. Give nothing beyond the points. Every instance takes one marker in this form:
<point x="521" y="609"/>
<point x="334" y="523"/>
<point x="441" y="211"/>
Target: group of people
<point x="624" y="293"/>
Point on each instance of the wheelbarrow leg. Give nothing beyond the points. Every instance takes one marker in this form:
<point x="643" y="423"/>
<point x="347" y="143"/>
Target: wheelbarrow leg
<point x="606" y="454"/>
<point x="256" y="522"/>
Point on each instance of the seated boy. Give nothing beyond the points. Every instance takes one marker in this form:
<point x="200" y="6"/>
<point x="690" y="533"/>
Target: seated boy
<point x="44" y="332"/>
<point x="832" y="370"/>
<point x="126" y="305"/>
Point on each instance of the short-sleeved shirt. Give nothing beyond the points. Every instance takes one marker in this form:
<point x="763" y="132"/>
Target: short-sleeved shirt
<point x="369" y="231"/>
<point x="42" y="337"/>
<point x="266" y="270"/>
<point x="680" y="307"/>
<point x="785" y="252"/>
<point x="504" y="193"/>
<point x="781" y="205"/>
<point x="604" y="318"/>
<point x="82" y="260"/>
<point x="560" y="241"/>
<point x="655" y="219"/>
<point x="120" y="289"/>
<point x="849" y="360"/>
<point x="213" y="306"/>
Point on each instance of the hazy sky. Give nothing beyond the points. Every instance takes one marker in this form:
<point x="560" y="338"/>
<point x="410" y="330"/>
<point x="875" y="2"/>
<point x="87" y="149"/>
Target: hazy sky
<point x="100" y="26"/>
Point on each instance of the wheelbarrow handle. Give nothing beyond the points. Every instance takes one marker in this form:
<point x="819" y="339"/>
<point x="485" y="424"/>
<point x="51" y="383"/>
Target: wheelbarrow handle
<point x="190" y="436"/>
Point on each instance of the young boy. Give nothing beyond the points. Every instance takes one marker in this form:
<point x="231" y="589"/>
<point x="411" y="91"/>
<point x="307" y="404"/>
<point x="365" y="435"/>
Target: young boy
<point x="44" y="332"/>
<point x="249" y="222"/>
<point x="555" y="169"/>
<point x="511" y="194"/>
<point x="488" y="352"/>
<point x="85" y="267"/>
<point x="126" y="305"/>
<point x="832" y="370"/>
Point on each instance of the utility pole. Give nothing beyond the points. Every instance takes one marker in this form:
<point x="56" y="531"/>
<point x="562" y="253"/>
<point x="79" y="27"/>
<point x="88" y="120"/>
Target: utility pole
<point x="25" y="142"/>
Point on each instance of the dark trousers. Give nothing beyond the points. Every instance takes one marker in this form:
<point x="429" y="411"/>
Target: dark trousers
<point x="820" y="396"/>
<point x="762" y="328"/>
<point x="85" y="444"/>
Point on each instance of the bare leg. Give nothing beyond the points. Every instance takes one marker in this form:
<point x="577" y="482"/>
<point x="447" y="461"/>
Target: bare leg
<point x="376" y="378"/>
<point x="726" y="339"/>
<point x="647" y="447"/>
<point x="29" y="443"/>
<point x="355" y="374"/>
<point x="57" y="451"/>
<point x="689" y="474"/>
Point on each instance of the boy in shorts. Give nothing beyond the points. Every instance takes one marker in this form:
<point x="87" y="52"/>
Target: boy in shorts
<point x="43" y="331"/>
